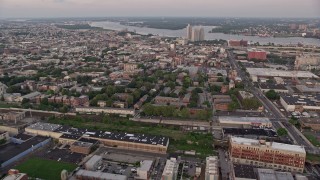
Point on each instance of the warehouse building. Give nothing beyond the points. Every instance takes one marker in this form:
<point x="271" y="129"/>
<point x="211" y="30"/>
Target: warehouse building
<point x="256" y="73"/>
<point x="272" y="155"/>
<point x="93" y="110"/>
<point x="12" y="152"/>
<point x="300" y="102"/>
<point x="69" y="135"/>
<point x="98" y="175"/>
<point x="244" y="122"/>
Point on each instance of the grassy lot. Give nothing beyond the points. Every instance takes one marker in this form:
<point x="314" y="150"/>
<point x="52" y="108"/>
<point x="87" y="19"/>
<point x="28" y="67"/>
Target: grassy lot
<point x="44" y="169"/>
<point x="313" y="158"/>
<point x="7" y="105"/>
<point x="179" y="140"/>
<point x="313" y="139"/>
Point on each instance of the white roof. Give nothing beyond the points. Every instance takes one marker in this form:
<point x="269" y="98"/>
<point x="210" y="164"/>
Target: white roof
<point x="269" y="72"/>
<point x="273" y="145"/>
<point x="100" y="175"/>
<point x="145" y="165"/>
<point x="244" y="119"/>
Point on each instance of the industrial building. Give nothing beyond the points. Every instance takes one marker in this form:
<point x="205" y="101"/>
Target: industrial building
<point x="69" y="135"/>
<point x="244" y="122"/>
<point x="272" y="155"/>
<point x="257" y="54"/>
<point x="256" y="73"/>
<point x="212" y="168"/>
<point x="300" y="102"/>
<point x="12" y="152"/>
<point x="249" y="133"/>
<point x="249" y="172"/>
<point x="98" y="175"/>
<point x="93" y="110"/>
<point x="280" y="88"/>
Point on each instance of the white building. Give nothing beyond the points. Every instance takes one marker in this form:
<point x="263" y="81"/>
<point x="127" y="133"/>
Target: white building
<point x="88" y="110"/>
<point x="93" y="163"/>
<point x="3" y="89"/>
<point x="233" y="121"/>
<point x="189" y="32"/>
<point x="212" y="172"/>
<point x="170" y="171"/>
<point x="144" y="170"/>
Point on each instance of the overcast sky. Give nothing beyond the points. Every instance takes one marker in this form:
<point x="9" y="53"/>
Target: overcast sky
<point x="190" y="8"/>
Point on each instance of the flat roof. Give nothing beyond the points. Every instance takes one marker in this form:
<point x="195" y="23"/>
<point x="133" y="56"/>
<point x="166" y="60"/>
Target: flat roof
<point x="145" y="165"/>
<point x="44" y="126"/>
<point x="270" y="174"/>
<point x="244" y="171"/>
<point x="100" y="175"/>
<point x="273" y="145"/>
<point x="10" y="150"/>
<point x="269" y="72"/>
<point x="243" y="119"/>
<point x="272" y="86"/>
<point x="71" y="133"/>
<point x="22" y="137"/>
<point x="257" y="132"/>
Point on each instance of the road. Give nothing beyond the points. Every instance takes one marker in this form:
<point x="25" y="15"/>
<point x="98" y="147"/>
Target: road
<point x="271" y="111"/>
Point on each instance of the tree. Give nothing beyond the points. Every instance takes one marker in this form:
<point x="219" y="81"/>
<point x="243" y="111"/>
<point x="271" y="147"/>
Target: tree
<point x="272" y="94"/>
<point x="251" y="103"/>
<point x="220" y="79"/>
<point x="186" y="82"/>
<point x="282" y="132"/>
<point x="130" y="100"/>
<point x="25" y="101"/>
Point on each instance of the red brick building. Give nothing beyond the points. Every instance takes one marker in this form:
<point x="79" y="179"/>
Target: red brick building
<point x="257" y="54"/>
<point x="273" y="155"/>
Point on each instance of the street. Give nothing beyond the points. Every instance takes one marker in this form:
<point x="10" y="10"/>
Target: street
<point x="271" y="111"/>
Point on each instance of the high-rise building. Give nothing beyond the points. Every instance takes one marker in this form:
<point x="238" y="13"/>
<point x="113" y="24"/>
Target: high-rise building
<point x="273" y="155"/>
<point x="201" y="34"/>
<point x="195" y="35"/>
<point x="189" y="32"/>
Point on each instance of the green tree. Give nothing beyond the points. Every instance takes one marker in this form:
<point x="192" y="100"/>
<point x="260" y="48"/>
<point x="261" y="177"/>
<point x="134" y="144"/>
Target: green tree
<point x="130" y="101"/>
<point x="282" y="132"/>
<point x="272" y="94"/>
<point x="220" y="79"/>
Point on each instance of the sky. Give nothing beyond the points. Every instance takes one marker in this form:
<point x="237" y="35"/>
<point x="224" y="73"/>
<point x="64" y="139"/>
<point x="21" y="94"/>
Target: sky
<point x="163" y="8"/>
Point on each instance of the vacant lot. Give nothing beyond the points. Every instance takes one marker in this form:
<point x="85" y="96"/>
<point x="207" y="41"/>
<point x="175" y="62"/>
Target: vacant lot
<point x="44" y="169"/>
<point x="179" y="140"/>
<point x="312" y="138"/>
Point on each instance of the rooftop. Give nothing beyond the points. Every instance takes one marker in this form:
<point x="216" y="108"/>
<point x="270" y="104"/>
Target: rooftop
<point x="269" y="72"/>
<point x="75" y="133"/>
<point x="244" y="171"/>
<point x="10" y="150"/>
<point x="273" y="145"/>
<point x="243" y="119"/>
<point x="100" y="175"/>
<point x="44" y="126"/>
<point x="257" y="132"/>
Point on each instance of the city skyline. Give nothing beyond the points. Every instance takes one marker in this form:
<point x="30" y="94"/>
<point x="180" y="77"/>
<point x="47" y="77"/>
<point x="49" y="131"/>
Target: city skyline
<point x="202" y="8"/>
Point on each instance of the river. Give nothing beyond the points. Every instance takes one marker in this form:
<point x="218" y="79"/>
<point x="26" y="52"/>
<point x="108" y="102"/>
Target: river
<point x="208" y="36"/>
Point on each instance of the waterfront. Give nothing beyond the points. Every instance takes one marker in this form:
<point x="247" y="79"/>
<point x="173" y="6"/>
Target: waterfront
<point x="208" y="36"/>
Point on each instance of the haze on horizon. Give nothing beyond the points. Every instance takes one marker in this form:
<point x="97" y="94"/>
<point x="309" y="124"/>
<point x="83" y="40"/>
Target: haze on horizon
<point x="151" y="8"/>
